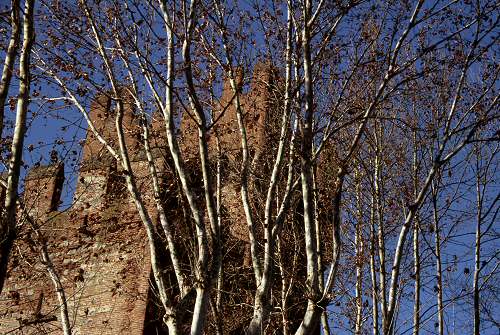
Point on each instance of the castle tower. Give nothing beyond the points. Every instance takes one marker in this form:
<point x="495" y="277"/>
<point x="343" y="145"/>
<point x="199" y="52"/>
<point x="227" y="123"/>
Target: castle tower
<point x="259" y="108"/>
<point x="98" y="246"/>
<point x="99" y="174"/>
<point x="42" y="189"/>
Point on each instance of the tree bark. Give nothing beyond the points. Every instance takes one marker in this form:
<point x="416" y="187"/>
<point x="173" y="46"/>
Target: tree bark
<point x="10" y="57"/>
<point x="55" y="278"/>
<point x="8" y="221"/>
<point x="477" y="254"/>
<point x="358" y="242"/>
<point x="416" y="246"/>
<point x="122" y="157"/>
<point x="373" y="273"/>
<point x="313" y="312"/>
<point x="439" y="273"/>
<point x="378" y="202"/>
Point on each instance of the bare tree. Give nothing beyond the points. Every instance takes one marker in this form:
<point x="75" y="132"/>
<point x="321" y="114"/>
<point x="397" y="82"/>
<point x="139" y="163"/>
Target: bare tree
<point x="354" y="114"/>
<point x="10" y="57"/>
<point x="8" y="219"/>
<point x="484" y="166"/>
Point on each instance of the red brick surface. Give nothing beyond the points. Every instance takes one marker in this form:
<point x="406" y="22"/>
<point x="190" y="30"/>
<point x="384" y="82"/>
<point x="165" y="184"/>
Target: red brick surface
<point x="99" y="246"/>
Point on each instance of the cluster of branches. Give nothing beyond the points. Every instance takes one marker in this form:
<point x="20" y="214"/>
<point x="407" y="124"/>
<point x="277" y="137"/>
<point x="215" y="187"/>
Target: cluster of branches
<point x="386" y="118"/>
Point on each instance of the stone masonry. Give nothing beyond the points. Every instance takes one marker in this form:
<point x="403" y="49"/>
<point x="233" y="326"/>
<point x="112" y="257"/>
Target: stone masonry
<point x="99" y="245"/>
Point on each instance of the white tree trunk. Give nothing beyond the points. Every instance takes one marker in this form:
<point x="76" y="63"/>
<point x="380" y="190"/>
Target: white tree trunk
<point x="416" y="246"/>
<point x="8" y="219"/>
<point x="358" y="242"/>
<point x="477" y="254"/>
<point x="439" y="272"/>
<point x="56" y="281"/>
<point x="123" y="158"/>
<point x="373" y="273"/>
<point x="10" y="57"/>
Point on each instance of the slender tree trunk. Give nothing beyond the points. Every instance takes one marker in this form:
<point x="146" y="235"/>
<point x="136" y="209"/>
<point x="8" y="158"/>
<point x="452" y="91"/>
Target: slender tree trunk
<point x="416" y="269"/>
<point x="122" y="156"/>
<point x="167" y="229"/>
<point x="477" y="260"/>
<point x="144" y="216"/>
<point x="380" y="221"/>
<point x="286" y="287"/>
<point x="358" y="242"/>
<point x="205" y="275"/>
<point x="439" y="273"/>
<point x="373" y="272"/>
<point x="61" y="297"/>
<point x="284" y="290"/>
<point x="313" y="311"/>
<point x="336" y="242"/>
<point x="56" y="281"/>
<point x="437" y="161"/>
<point x="8" y="221"/>
<point x="325" y="327"/>
<point x="220" y="273"/>
<point x="49" y="266"/>
<point x="416" y="247"/>
<point x="262" y="301"/>
<point x="10" y="57"/>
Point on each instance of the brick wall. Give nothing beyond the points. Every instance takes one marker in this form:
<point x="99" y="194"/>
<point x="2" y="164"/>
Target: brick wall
<point x="42" y="188"/>
<point x="103" y="261"/>
<point x="99" y="246"/>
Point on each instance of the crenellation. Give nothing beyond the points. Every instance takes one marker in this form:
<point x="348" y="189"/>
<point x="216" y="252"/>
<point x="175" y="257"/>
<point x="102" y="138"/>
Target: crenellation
<point x="102" y="253"/>
<point x="42" y="189"/>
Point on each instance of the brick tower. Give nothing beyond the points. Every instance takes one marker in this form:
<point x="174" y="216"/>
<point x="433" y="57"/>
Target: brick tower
<point x="99" y="245"/>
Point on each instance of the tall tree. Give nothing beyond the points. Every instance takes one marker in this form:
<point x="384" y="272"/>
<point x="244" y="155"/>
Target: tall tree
<point x="8" y="217"/>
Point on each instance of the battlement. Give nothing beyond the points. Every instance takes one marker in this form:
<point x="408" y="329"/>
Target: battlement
<point x="99" y="245"/>
<point x="258" y="108"/>
<point x="100" y="179"/>
<point x="103" y="116"/>
<point x="42" y="189"/>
